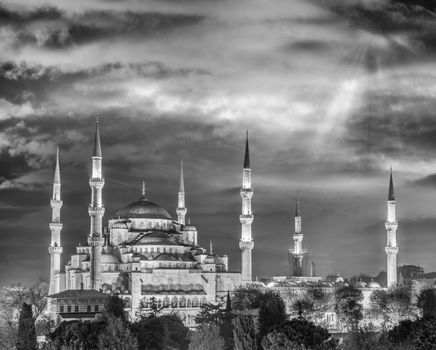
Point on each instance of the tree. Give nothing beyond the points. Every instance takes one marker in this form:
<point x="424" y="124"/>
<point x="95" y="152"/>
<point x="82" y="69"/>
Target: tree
<point x="73" y="333"/>
<point x="226" y="329"/>
<point x="302" y="307"/>
<point x="272" y="312"/>
<point x="427" y="301"/>
<point x="348" y="306"/>
<point x="206" y="337"/>
<point x="26" y="337"/>
<point x="116" y="336"/>
<point x="210" y="313"/>
<point x="160" y="332"/>
<point x="244" y="333"/>
<point x="392" y="305"/>
<point x="298" y="334"/>
<point x="11" y="301"/>
<point x="114" y="307"/>
<point x="424" y="335"/>
<point x="246" y="298"/>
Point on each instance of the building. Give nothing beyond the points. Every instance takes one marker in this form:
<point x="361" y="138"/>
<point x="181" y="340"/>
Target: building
<point x="143" y="255"/>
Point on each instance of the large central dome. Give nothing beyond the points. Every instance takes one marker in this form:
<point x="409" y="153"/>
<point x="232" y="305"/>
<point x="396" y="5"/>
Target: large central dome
<point x="143" y="209"/>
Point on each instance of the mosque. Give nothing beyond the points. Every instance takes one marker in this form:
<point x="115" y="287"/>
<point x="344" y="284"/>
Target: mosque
<point x="146" y="256"/>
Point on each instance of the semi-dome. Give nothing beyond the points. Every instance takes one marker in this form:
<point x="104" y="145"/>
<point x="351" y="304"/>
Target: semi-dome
<point x="143" y="209"/>
<point x="109" y="258"/>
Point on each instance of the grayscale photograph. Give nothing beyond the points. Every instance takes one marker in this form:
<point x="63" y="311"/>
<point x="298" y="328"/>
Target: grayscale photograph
<point x="218" y="174"/>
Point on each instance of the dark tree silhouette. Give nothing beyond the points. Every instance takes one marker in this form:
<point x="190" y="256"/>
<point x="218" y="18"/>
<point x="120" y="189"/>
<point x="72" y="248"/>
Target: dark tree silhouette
<point x="272" y="312"/>
<point x="26" y="338"/>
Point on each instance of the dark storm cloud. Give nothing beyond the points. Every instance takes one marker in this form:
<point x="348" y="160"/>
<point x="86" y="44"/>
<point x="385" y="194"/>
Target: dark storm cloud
<point x="52" y="28"/>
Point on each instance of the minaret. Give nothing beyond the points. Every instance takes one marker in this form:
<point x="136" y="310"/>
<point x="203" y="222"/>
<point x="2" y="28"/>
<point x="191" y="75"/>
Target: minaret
<point x="96" y="212"/>
<point x="391" y="230"/>
<point x="246" y="243"/>
<point x="55" y="248"/>
<point x="297" y="254"/>
<point x="181" y="209"/>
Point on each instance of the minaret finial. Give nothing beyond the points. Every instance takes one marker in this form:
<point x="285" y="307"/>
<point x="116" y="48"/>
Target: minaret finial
<point x="297" y="208"/>
<point x="182" y="181"/>
<point x="97" y="144"/>
<point x="143" y="189"/>
<point x="247" y="153"/>
<point x="391" y="194"/>
<point x="57" y="176"/>
<point x="210" y="247"/>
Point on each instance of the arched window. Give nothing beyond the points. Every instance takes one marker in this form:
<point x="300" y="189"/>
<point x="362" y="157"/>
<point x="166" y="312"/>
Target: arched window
<point x="159" y="303"/>
<point x="174" y="302"/>
<point x="145" y="303"/>
<point x="189" y="303"/>
<point x="182" y="302"/>
<point x="195" y="302"/>
<point x="202" y="301"/>
<point x="166" y="302"/>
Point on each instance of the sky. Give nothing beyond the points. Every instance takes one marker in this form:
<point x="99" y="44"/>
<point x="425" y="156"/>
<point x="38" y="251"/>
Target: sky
<point x="332" y="92"/>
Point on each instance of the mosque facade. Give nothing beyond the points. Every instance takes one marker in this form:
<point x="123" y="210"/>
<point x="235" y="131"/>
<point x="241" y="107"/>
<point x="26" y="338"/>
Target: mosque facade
<point x="144" y="255"/>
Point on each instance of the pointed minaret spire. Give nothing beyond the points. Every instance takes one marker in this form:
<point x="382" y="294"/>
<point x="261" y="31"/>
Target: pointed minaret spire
<point x="181" y="207"/>
<point x="247" y="153"/>
<point x="57" y="175"/>
<point x="297" y="208"/>
<point x="391" y="194"/>
<point x="143" y="196"/>
<point x="182" y="181"/>
<point x="391" y="226"/>
<point x="97" y="144"/>
<point x="210" y="247"/>
<point x="55" y="248"/>
<point x="246" y="243"/>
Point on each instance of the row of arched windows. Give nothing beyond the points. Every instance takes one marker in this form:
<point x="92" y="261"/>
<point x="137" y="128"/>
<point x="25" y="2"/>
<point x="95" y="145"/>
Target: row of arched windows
<point x="174" y="302"/>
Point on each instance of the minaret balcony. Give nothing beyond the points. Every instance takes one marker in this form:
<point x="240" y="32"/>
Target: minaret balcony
<point x="298" y="237"/>
<point x="55" y="203"/>
<point x="391" y="225"/>
<point x="55" y="226"/>
<point x="246" y="219"/>
<point x="96" y="182"/>
<point x="55" y="249"/>
<point x="391" y="250"/>
<point x="96" y="211"/>
<point x="95" y="241"/>
<point x="181" y="211"/>
<point x="246" y="245"/>
<point x="246" y="193"/>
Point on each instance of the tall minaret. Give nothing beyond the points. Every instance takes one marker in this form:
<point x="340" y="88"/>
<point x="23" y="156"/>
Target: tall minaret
<point x="96" y="212"/>
<point x="246" y="218"/>
<point x="181" y="209"/>
<point x="55" y="248"/>
<point x="297" y="254"/>
<point x="391" y="230"/>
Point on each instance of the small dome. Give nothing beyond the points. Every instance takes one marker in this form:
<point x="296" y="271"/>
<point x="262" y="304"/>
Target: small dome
<point x="108" y="258"/>
<point x="143" y="209"/>
<point x="373" y="284"/>
<point x="189" y="228"/>
<point x="361" y="284"/>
